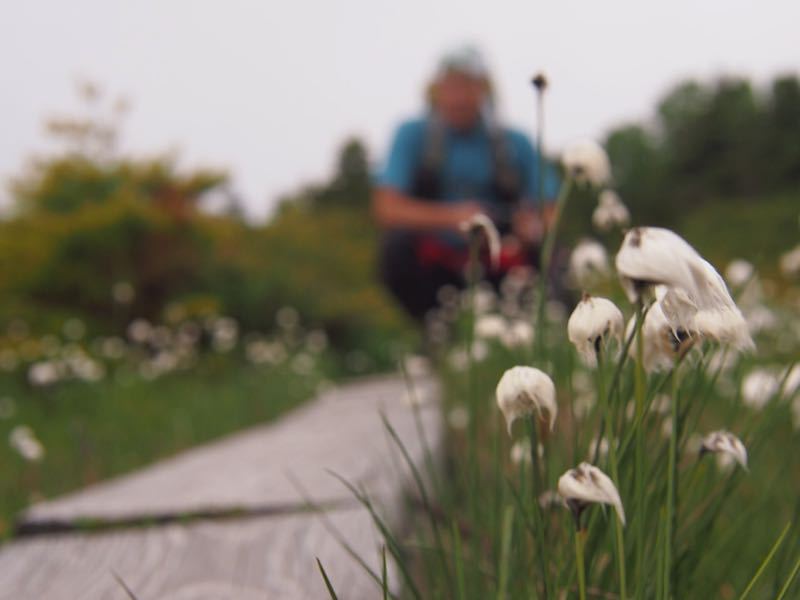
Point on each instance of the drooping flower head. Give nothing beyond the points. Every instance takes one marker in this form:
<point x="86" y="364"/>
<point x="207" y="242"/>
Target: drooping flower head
<point x="594" y="321"/>
<point x="652" y="256"/>
<point x="480" y="224"/>
<point x="524" y="390"/>
<point x="725" y="442"/>
<point x="586" y="484"/>
<point x="24" y="441"/>
<point x="490" y="326"/>
<point x="610" y="212"/>
<point x="662" y="342"/>
<point x="790" y="263"/>
<point x="588" y="263"/>
<point x="587" y="163"/>
<point x="739" y="272"/>
<point x="759" y="386"/>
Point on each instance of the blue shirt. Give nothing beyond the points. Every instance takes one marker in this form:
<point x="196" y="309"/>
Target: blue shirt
<point x="466" y="172"/>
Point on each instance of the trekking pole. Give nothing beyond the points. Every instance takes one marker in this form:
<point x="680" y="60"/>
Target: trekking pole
<point x="539" y="82"/>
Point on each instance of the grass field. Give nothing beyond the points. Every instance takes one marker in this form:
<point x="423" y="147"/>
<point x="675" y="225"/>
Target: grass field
<point x="699" y="525"/>
<point x="92" y="430"/>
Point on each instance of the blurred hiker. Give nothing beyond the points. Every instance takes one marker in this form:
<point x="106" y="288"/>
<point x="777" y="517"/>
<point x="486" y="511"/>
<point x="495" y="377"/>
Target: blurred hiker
<point x="454" y="162"/>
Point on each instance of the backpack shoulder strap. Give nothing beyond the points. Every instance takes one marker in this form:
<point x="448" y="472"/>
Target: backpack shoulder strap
<point x="427" y="179"/>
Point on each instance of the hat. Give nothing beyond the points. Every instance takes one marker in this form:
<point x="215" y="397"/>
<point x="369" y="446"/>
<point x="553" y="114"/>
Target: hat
<point x="465" y="59"/>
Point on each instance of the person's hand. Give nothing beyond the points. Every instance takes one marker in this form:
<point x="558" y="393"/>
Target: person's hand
<point x="527" y="226"/>
<point x="464" y="211"/>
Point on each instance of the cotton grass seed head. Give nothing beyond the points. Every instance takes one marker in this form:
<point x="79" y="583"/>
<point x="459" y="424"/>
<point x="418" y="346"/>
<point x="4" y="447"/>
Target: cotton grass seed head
<point x="593" y="322"/>
<point x="524" y="391"/>
<point x="790" y="263"/>
<point x="652" y="256"/>
<point x="24" y="441"/>
<point x="759" y="387"/>
<point x="490" y="326"/>
<point x="587" y="163"/>
<point x="610" y="212"/>
<point x="588" y="264"/>
<point x="586" y="484"/>
<point x="724" y="442"/>
<point x="662" y="343"/>
<point x="738" y="272"/>
<point x="480" y="224"/>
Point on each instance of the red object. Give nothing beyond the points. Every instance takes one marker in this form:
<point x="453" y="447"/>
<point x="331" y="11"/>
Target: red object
<point x="432" y="252"/>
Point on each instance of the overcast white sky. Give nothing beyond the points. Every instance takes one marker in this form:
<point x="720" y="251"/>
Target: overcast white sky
<point x="269" y="89"/>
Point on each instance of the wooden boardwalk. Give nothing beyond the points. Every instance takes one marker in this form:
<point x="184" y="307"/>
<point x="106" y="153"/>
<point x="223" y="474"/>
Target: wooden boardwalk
<point x="231" y="519"/>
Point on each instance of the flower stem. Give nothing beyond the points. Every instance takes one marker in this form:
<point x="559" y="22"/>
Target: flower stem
<point x="639" y="391"/>
<point x="672" y="483"/>
<point x="613" y="466"/>
<point x="579" y="562"/>
<point x="538" y="519"/>
<point x="545" y="259"/>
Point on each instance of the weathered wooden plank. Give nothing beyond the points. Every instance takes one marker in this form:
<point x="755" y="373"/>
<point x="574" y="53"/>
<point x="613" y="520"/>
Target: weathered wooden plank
<point x="340" y="432"/>
<point x="248" y="558"/>
<point x="245" y="557"/>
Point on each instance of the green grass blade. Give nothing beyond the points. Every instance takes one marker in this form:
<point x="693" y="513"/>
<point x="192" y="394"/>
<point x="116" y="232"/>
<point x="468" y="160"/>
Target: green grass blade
<point x="424" y="497"/>
<point x="332" y="529"/>
<point x="789" y="580"/>
<point x="766" y="562"/>
<point x="461" y="587"/>
<point x="384" y="576"/>
<point x="394" y="545"/>
<point x="505" y="552"/>
<point x="328" y="584"/>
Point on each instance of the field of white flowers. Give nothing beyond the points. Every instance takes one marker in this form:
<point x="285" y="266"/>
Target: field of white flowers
<point x="77" y="406"/>
<point x="640" y="446"/>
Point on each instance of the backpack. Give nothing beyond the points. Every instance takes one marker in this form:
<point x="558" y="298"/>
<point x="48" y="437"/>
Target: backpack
<point x="506" y="181"/>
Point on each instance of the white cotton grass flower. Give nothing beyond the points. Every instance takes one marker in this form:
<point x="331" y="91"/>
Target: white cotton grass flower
<point x="739" y="272"/>
<point x="724" y="442"/>
<point x="480" y="351"/>
<point x="45" y="373"/>
<point x="23" y="440"/>
<point x="588" y="264"/>
<point x="791" y="383"/>
<point x="490" y="326"/>
<point x="759" y="387"/>
<point x="652" y="256"/>
<point x="594" y="321"/>
<point x="458" y="417"/>
<point x="519" y="334"/>
<point x="587" y="163"/>
<point x="524" y="390"/>
<point x="610" y="212"/>
<point x="550" y="499"/>
<point x="521" y="451"/>
<point x="139" y="331"/>
<point x="662" y="344"/>
<point x="790" y="263"/>
<point x="586" y="484"/>
<point x="483" y="298"/>
<point x="602" y="449"/>
<point x="481" y="224"/>
<point x="760" y="318"/>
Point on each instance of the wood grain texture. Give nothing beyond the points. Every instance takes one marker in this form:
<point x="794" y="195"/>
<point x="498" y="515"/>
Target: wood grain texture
<point x="267" y="556"/>
<point x="340" y="432"/>
<point x="251" y="558"/>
